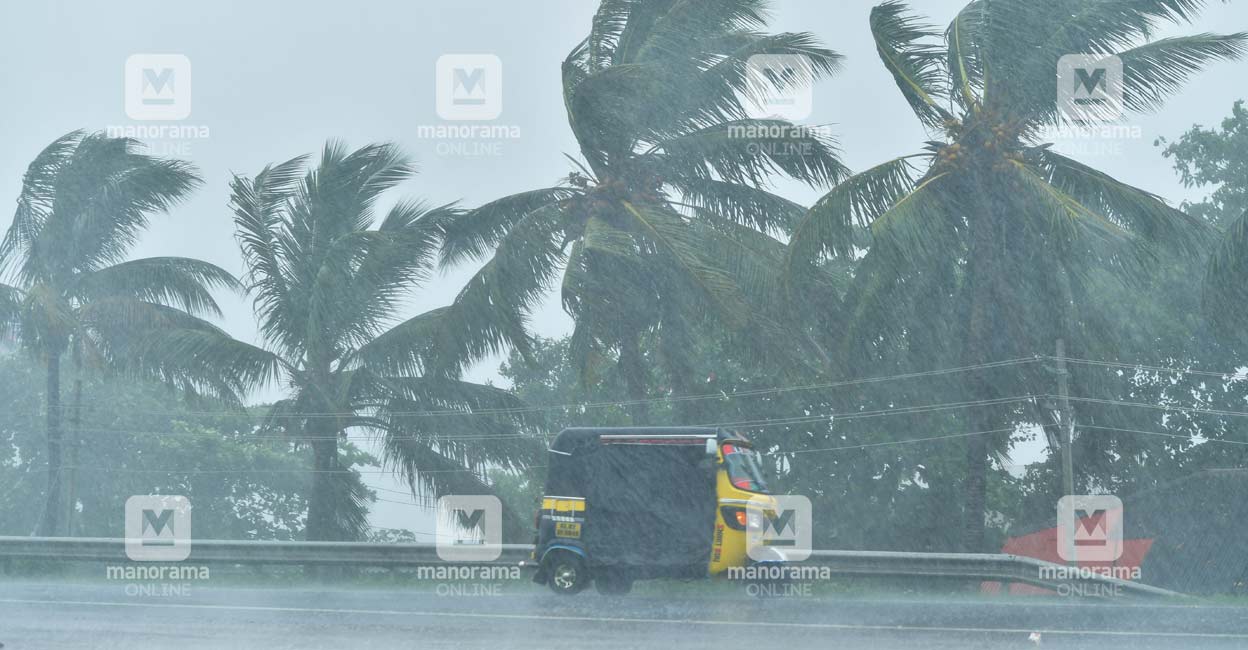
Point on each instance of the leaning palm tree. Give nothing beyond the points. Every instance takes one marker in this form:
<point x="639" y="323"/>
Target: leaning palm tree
<point x="668" y="219"/>
<point x="84" y="201"/>
<point x="990" y="220"/>
<point x="328" y="291"/>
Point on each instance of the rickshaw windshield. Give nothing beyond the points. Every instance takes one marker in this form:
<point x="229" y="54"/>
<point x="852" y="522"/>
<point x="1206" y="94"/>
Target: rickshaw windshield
<point x="745" y="468"/>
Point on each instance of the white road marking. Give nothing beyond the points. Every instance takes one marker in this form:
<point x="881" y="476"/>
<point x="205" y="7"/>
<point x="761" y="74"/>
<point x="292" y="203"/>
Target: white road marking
<point x="648" y="621"/>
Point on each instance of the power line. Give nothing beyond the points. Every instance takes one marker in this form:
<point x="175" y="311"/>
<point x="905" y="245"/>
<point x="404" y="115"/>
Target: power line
<point x="1161" y="407"/>
<point x="721" y="396"/>
<point x="127" y="470"/>
<point x="1166" y="435"/>
<point x="902" y="410"/>
<point x="240" y="436"/>
<point x="890" y="443"/>
<point x="1148" y="368"/>
<point x="744" y="424"/>
<point x="893" y="443"/>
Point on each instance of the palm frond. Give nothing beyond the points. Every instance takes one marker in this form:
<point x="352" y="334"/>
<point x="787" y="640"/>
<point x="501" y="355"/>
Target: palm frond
<point x="398" y="256"/>
<point x="105" y="194"/>
<point x="920" y="225"/>
<point x="827" y="228"/>
<point x="179" y="282"/>
<point x="608" y="22"/>
<point x="1059" y="215"/>
<point x="668" y="231"/>
<point x="741" y="204"/>
<point x="432" y="343"/>
<point x="715" y="92"/>
<point x="10" y="311"/>
<point x="966" y="64"/>
<point x="1141" y="212"/>
<point x="611" y="280"/>
<point x="750" y="151"/>
<point x="472" y="234"/>
<point x="339" y="195"/>
<point x="143" y="339"/>
<point x="755" y="262"/>
<point x="259" y="207"/>
<point x="1159" y="69"/>
<point x="917" y="67"/>
<point x="683" y="29"/>
<point x="1109" y="25"/>
<point x="429" y="473"/>
<point x="38" y="196"/>
<point x="495" y="303"/>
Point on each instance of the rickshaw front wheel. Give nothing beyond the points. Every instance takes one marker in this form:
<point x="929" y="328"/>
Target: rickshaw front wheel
<point x="567" y="572"/>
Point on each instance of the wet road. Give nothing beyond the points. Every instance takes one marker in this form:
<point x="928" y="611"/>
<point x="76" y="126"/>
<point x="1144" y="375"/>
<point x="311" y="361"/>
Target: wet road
<point x="63" y="615"/>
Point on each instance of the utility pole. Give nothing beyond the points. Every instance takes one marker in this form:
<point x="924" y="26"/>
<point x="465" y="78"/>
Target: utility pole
<point x="1068" y="430"/>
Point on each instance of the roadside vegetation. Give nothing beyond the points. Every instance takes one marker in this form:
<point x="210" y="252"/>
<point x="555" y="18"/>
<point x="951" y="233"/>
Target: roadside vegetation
<point x="887" y="347"/>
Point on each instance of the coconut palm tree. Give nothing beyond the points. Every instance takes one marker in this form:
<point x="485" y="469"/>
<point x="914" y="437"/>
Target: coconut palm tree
<point x="666" y="219"/>
<point x="85" y="199"/>
<point x="989" y="219"/>
<point x="328" y="290"/>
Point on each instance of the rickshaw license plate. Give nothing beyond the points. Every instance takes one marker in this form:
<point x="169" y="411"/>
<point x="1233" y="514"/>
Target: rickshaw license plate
<point x="566" y="529"/>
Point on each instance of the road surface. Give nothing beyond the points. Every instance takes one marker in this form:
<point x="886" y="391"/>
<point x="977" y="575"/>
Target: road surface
<point x="68" y="615"/>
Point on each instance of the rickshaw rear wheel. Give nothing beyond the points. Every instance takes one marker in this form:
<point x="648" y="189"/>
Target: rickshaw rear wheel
<point x="566" y="572"/>
<point x="612" y="583"/>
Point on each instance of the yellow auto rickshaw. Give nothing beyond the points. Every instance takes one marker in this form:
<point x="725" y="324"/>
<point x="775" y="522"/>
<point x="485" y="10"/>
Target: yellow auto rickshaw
<point x="626" y="504"/>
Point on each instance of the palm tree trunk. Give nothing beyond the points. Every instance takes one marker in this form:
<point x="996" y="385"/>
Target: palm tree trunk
<point x="976" y="349"/>
<point x="321" y="503"/>
<point x="74" y="443"/>
<point x="49" y="525"/>
<point x="676" y="349"/>
<point x="976" y="486"/>
<point x="632" y="368"/>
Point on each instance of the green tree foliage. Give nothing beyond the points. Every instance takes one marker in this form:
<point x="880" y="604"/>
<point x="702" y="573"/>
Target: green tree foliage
<point x="328" y="290"/>
<point x="85" y="200"/>
<point x="985" y="242"/>
<point x="142" y="438"/>
<point x="666" y="226"/>
<point x="1217" y="158"/>
<point x="876" y="482"/>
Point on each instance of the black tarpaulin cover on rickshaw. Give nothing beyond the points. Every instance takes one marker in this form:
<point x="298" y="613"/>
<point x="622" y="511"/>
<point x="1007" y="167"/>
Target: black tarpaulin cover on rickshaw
<point x="650" y="502"/>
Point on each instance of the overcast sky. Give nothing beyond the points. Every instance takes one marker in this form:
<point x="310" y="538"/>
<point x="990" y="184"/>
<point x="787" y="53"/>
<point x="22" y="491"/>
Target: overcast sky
<point x="274" y="80"/>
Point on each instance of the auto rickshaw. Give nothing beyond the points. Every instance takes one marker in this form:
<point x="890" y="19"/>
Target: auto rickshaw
<point x="625" y="504"/>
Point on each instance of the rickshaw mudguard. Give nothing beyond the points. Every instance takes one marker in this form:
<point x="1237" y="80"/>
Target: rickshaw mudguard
<point x="540" y="576"/>
<point x="567" y="547"/>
